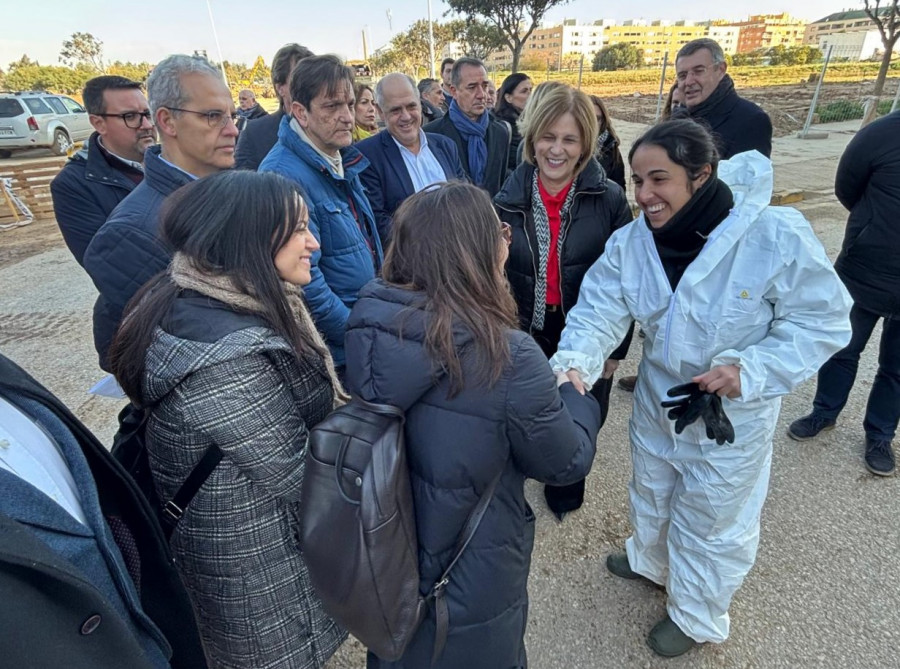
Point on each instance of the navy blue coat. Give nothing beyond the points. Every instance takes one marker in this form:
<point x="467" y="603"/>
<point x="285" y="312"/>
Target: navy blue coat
<point x="127" y="251"/>
<point x="522" y="426"/>
<point x="868" y="185"/>
<point x="387" y="180"/>
<point x="47" y="598"/>
<point x="85" y="192"/>
<point x="256" y="140"/>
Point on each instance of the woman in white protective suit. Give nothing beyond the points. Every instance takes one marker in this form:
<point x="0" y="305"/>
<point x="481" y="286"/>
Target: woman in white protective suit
<point x="737" y="299"/>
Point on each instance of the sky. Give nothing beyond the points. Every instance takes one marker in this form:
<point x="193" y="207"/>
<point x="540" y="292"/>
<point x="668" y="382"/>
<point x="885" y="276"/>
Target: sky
<point x="247" y="28"/>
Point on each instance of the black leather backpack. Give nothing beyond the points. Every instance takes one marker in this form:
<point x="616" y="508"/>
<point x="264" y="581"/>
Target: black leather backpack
<point x="359" y="533"/>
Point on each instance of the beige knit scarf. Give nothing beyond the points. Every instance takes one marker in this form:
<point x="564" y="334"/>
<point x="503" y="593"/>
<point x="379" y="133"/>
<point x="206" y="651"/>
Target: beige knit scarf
<point x="186" y="275"/>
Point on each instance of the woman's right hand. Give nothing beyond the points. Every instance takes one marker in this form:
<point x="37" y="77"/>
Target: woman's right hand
<point x="570" y="376"/>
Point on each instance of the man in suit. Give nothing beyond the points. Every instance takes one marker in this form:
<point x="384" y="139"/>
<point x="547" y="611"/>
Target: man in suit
<point x="482" y="143"/>
<point x="86" y="576"/>
<point x="261" y="134"/>
<point x="403" y="159"/>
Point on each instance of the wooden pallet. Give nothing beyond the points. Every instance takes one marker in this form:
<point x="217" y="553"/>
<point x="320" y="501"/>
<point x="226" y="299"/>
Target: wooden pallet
<point x="31" y="183"/>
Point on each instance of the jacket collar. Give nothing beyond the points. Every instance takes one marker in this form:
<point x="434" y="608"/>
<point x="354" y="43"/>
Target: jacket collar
<point x="516" y="192"/>
<point x="354" y="162"/>
<point x="161" y="176"/>
<point x="96" y="166"/>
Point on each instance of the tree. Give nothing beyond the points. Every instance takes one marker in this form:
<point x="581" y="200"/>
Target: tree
<point x="620" y="56"/>
<point x="887" y="20"/>
<point x="479" y="39"/>
<point x="515" y="19"/>
<point x="83" y="49"/>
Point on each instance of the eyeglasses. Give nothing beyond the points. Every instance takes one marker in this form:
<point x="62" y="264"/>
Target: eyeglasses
<point x="215" y="118"/>
<point x="698" y="72"/>
<point x="506" y="233"/>
<point x="133" y="120"/>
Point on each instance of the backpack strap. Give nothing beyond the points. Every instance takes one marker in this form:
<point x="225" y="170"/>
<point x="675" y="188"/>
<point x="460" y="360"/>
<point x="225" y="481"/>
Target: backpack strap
<point x="174" y="509"/>
<point x="442" y="613"/>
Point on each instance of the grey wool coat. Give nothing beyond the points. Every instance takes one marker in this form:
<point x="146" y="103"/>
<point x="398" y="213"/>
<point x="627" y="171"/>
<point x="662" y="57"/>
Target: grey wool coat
<point x="214" y="375"/>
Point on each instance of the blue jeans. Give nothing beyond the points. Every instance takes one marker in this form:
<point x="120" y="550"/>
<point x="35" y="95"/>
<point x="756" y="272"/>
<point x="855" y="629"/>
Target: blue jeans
<point x="838" y="374"/>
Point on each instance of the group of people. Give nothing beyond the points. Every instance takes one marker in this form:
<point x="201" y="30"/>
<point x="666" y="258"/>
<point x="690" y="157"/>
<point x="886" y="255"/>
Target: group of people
<point x="426" y="267"/>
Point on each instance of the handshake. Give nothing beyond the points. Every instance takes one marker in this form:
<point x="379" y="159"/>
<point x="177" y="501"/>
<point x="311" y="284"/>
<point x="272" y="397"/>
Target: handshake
<point x="694" y="403"/>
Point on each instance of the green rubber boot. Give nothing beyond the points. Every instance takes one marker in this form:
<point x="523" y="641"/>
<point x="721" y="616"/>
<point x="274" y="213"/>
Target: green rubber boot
<point x="668" y="640"/>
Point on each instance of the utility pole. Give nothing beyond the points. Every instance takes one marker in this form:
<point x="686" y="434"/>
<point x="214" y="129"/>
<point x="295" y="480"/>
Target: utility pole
<point x="431" y="42"/>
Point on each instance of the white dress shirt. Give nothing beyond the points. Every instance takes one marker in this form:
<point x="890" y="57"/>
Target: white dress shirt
<point x="29" y="453"/>
<point x="423" y="168"/>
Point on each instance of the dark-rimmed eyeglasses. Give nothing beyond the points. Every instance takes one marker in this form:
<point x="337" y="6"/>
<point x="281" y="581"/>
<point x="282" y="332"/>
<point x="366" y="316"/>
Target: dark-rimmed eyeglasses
<point x="216" y="118"/>
<point x="133" y="120"/>
<point x="506" y="232"/>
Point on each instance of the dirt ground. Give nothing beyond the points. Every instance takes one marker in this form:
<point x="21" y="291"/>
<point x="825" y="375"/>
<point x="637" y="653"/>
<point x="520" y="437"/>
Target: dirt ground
<point x="17" y="244"/>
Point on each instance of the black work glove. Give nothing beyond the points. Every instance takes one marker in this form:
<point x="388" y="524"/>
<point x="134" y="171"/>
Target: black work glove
<point x="688" y="408"/>
<point x="718" y="426"/>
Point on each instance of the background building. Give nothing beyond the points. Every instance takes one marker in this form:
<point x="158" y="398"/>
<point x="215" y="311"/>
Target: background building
<point x="726" y="35"/>
<point x="767" y="30"/>
<point x="839" y="22"/>
<point x="654" y="39"/>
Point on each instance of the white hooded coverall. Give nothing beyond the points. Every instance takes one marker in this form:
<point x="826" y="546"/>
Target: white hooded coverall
<point x="761" y="294"/>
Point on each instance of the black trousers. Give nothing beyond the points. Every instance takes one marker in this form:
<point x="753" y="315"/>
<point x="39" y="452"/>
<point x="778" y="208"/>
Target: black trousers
<point x="562" y="499"/>
<point x="837" y="376"/>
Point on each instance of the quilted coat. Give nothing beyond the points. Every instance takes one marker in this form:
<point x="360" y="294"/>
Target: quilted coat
<point x="522" y="426"/>
<point x="342" y="220"/>
<point x="214" y="375"/>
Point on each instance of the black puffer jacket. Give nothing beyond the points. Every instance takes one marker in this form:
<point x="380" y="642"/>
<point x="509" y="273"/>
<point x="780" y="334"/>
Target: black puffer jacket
<point x="522" y="427"/>
<point x="610" y="158"/>
<point x="868" y="185"/>
<point x="598" y="210"/>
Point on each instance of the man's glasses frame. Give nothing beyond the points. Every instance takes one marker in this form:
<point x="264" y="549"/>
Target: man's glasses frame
<point x="133" y="120"/>
<point x="216" y="118"/>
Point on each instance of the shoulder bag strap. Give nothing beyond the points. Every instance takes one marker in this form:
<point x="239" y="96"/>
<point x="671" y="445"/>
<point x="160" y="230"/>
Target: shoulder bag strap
<point x="175" y="507"/>
<point x="442" y="614"/>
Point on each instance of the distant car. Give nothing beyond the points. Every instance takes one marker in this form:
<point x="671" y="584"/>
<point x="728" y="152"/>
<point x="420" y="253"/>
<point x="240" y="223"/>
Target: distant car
<point x="33" y="119"/>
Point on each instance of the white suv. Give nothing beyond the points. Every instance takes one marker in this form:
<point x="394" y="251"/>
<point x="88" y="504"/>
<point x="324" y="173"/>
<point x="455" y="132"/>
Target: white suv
<point x="32" y="119"/>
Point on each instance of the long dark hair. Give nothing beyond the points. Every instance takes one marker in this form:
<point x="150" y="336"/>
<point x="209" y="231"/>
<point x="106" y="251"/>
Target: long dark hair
<point x="230" y="224"/>
<point x="504" y="108"/>
<point x="685" y="142"/>
<point x="446" y="243"/>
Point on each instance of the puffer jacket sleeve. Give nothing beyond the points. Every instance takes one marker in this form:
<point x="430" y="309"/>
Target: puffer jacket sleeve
<point x="855" y="167"/>
<point x="810" y="321"/>
<point x="327" y="309"/>
<point x="120" y="259"/>
<point x="552" y="433"/>
<point x="245" y="408"/>
<point x="600" y="319"/>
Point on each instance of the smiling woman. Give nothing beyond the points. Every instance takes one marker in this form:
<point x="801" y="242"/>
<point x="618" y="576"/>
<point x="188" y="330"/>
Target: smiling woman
<point x="222" y="347"/>
<point x="562" y="211"/>
<point x="739" y="304"/>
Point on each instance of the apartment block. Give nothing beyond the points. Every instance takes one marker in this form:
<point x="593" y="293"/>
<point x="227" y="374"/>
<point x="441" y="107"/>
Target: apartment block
<point x="767" y="30"/>
<point x="727" y="37"/>
<point x="654" y="39"/>
<point x="840" y="22"/>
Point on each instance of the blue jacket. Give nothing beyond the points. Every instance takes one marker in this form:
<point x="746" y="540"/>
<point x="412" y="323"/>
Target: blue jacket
<point x="85" y="192"/>
<point x="127" y="251"/>
<point x="387" y="180"/>
<point x="350" y="253"/>
<point x="522" y="426"/>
